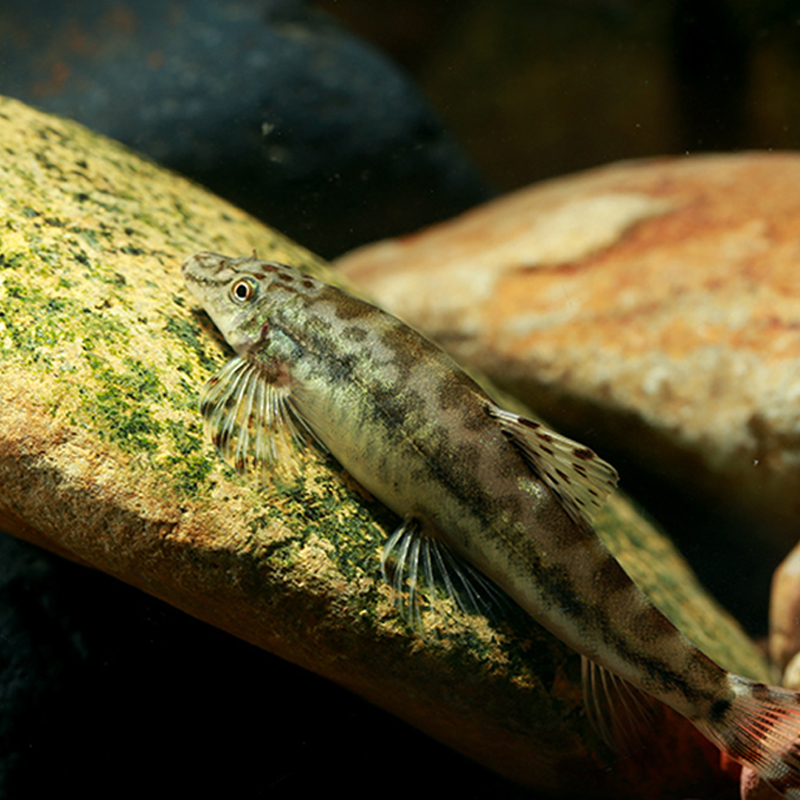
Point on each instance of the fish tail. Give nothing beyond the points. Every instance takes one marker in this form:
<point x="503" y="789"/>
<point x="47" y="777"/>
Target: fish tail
<point x="759" y="725"/>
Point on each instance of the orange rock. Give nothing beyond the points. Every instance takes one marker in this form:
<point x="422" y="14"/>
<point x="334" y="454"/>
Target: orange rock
<point x="657" y="302"/>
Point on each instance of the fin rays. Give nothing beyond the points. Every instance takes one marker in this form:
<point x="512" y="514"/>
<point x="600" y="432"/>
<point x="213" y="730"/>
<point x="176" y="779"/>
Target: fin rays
<point x="618" y="711"/>
<point x="576" y="475"/>
<point x="419" y="568"/>
<point x="251" y="420"/>
<point x="760" y="726"/>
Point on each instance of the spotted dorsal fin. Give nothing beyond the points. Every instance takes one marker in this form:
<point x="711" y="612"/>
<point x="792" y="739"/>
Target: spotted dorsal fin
<point x="576" y="475"/>
<point x="250" y="418"/>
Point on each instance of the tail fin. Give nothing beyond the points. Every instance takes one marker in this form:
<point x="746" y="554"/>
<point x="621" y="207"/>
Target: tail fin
<point x="759" y="727"/>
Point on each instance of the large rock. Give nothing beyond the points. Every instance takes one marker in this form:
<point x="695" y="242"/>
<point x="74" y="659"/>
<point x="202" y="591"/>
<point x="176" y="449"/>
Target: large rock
<point x="102" y="460"/>
<point x="655" y="304"/>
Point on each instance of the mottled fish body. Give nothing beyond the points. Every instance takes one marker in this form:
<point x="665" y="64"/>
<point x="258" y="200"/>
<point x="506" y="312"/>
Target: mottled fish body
<point x="509" y="498"/>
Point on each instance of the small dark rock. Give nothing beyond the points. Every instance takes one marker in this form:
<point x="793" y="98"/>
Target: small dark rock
<point x="269" y="103"/>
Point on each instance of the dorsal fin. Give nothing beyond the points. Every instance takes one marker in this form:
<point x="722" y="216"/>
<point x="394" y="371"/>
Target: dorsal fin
<point x="576" y="475"/>
<point x="423" y="572"/>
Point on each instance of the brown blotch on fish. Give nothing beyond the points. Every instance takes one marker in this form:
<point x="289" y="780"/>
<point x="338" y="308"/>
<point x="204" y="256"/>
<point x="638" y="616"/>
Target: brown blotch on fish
<point x="348" y="307"/>
<point x="610" y="578"/>
<point x="654" y="625"/>
<point x="284" y="287"/>
<point x="719" y="709"/>
<point x="760" y="691"/>
<point x="457" y="394"/>
<point x="354" y="334"/>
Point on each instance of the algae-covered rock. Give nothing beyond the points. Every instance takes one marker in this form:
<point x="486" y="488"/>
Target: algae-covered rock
<point x="102" y="459"/>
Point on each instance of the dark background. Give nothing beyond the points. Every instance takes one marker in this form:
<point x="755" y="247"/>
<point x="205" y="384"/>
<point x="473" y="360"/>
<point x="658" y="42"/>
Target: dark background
<point x="339" y="122"/>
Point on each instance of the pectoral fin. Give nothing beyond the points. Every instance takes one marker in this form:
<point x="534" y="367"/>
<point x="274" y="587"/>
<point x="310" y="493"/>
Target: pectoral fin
<point x="249" y="416"/>
<point x="579" y="478"/>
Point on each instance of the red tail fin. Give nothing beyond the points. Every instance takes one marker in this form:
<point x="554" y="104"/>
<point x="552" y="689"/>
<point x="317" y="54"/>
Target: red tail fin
<point x="760" y="727"/>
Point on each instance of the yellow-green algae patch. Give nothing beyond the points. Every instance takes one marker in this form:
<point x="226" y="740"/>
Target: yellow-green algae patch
<point x="102" y="458"/>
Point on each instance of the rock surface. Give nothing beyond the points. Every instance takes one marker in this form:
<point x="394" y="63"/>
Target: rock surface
<point x="653" y="303"/>
<point x="102" y="460"/>
<point x="784" y="619"/>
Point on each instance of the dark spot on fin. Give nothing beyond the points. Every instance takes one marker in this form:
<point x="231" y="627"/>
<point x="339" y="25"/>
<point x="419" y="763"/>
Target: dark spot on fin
<point x="718" y="711"/>
<point x="584" y="452"/>
<point x="758" y="725"/>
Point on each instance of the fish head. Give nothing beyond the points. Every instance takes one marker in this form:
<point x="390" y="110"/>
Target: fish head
<point x="239" y="294"/>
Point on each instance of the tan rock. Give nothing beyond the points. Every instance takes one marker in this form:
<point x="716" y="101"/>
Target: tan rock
<point x="655" y="302"/>
<point x="784" y="619"/>
<point x="102" y="460"/>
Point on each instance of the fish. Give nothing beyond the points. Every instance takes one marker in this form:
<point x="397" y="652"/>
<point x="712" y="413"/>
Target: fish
<point x="485" y="497"/>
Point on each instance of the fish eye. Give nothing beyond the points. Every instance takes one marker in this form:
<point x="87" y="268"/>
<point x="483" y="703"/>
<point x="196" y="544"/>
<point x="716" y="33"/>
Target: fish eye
<point x="243" y="290"/>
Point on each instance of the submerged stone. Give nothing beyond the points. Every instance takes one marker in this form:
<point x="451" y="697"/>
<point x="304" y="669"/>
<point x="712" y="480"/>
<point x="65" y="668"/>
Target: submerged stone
<point x="102" y="460"/>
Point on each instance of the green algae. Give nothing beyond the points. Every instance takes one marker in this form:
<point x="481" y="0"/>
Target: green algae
<point x="190" y="335"/>
<point x="123" y="406"/>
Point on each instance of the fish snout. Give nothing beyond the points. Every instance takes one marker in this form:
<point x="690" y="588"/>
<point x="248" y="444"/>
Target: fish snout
<point x="203" y="265"/>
